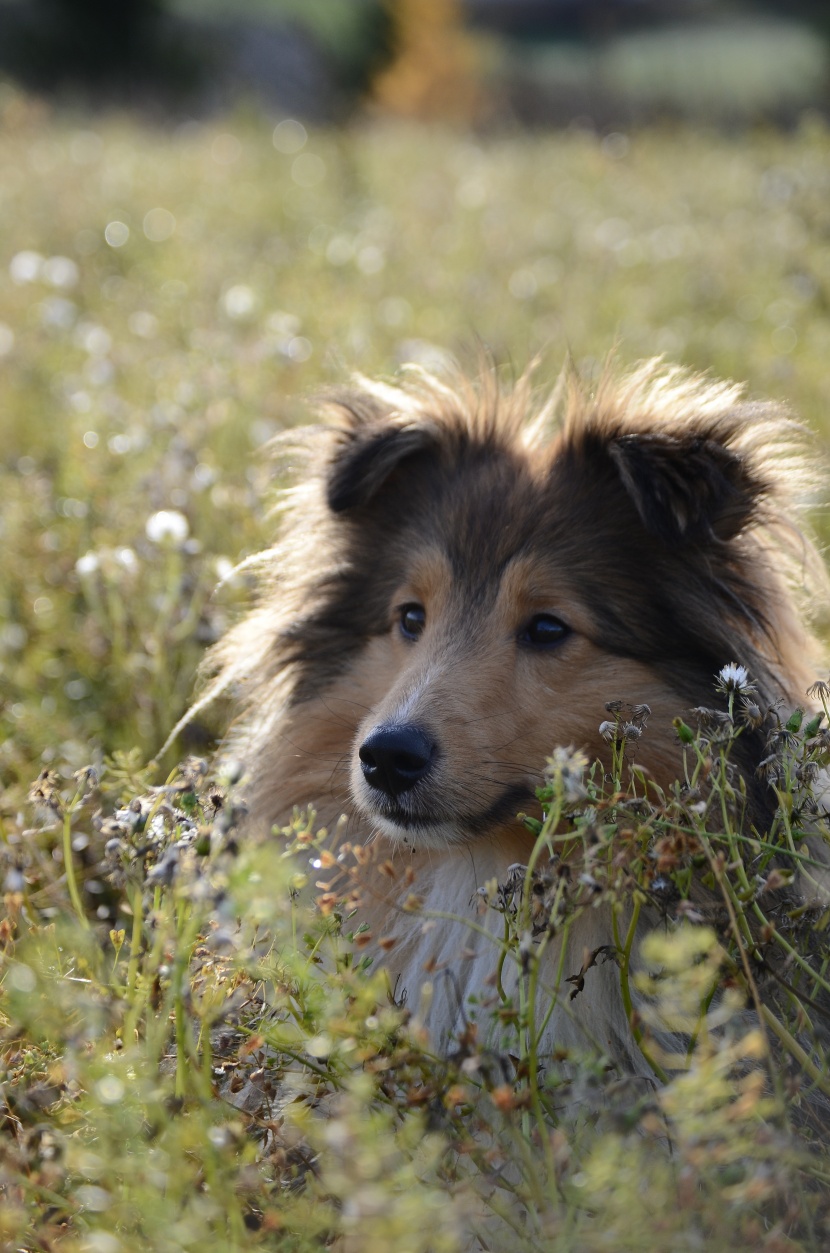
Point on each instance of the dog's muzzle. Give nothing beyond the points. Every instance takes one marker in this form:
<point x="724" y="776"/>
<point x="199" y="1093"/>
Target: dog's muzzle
<point x="394" y="758"/>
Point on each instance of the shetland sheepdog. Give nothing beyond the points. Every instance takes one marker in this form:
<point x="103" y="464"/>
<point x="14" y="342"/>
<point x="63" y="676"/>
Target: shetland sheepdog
<point x="466" y="575"/>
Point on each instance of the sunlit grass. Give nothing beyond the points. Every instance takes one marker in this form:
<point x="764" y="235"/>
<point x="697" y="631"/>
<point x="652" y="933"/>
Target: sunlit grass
<point x="224" y="1069"/>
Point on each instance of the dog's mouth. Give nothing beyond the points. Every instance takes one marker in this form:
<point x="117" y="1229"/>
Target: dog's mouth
<point x="414" y="823"/>
<point x="411" y="824"/>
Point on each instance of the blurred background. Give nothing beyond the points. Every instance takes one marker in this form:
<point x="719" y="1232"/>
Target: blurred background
<point x="211" y="210"/>
<point x="528" y="61"/>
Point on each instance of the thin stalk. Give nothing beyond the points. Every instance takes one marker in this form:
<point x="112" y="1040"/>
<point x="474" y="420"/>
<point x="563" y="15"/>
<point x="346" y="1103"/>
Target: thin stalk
<point x="181" y="1037"/>
<point x="69" y="865"/>
<point x="793" y="953"/>
<point x="625" y="986"/>
<point x="559" y="970"/>
<point x="137" y="905"/>
<point x="500" y="964"/>
<point x="737" y="930"/>
<point x="820" y="1079"/>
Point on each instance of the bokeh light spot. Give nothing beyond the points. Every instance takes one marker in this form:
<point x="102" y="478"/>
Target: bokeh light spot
<point x="116" y="234"/>
<point x="60" y="272"/>
<point x="159" y="224"/>
<point x="289" y="136"/>
<point x="25" y="267"/>
<point x="239" y="302"/>
<point x="110" y="1089"/>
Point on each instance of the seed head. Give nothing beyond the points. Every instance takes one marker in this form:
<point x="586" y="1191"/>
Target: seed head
<point x="568" y="766"/>
<point x="734" y="678"/>
<point x="751" y="714"/>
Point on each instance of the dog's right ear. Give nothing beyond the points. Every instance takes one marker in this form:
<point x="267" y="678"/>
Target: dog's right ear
<point x="367" y="456"/>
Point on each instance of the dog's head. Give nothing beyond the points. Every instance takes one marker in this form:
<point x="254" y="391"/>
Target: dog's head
<point x="465" y="578"/>
<point x="499" y="580"/>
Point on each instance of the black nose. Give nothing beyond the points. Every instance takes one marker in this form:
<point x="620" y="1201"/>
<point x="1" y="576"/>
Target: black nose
<point x="394" y="758"/>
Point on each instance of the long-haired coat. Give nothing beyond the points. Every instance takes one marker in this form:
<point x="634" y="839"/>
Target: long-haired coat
<point x="464" y="578"/>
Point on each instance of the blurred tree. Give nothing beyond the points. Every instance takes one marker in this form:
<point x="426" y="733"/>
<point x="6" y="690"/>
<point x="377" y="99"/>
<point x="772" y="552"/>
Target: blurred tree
<point x="816" y="12"/>
<point x="97" y="43"/>
<point x="355" y="35"/>
<point x="433" y="73"/>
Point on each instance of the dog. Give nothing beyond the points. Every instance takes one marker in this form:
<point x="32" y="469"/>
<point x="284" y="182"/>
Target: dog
<point x="466" y="575"/>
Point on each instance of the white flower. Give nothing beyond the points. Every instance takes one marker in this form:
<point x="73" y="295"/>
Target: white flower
<point x="25" y="266"/>
<point x="126" y="559"/>
<point x="87" y="564"/>
<point x="60" y="272"/>
<point x="734" y="678"/>
<point x="568" y="765"/>
<point x="239" y="302"/>
<point x="167" y="525"/>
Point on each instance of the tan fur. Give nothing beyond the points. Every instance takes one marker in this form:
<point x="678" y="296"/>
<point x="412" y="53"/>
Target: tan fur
<point x="654" y="518"/>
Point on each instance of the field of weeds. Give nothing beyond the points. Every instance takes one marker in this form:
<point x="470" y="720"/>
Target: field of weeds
<point x="171" y="1078"/>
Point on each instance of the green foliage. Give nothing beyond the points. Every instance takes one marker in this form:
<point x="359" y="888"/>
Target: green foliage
<point x="218" y="1065"/>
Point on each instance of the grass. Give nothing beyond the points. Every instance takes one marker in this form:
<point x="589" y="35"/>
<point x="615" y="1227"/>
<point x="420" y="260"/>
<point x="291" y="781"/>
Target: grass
<point x="166" y="301"/>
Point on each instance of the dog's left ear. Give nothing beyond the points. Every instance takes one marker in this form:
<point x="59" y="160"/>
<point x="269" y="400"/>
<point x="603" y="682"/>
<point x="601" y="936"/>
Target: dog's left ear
<point x="686" y="489"/>
<point x="364" y="461"/>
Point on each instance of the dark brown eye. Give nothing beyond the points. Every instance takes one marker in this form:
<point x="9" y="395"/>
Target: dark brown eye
<point x="412" y="621"/>
<point x="543" y="631"/>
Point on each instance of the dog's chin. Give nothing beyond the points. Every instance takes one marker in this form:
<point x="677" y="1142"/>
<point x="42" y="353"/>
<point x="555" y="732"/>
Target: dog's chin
<point x="412" y="830"/>
<point x="421" y="835"/>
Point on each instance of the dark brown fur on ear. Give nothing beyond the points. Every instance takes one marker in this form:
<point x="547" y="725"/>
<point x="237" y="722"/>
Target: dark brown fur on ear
<point x="365" y="461"/>
<point x="687" y="490"/>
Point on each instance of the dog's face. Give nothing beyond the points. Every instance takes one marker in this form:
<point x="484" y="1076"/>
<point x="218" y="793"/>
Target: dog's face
<point x="506" y="598"/>
<point x="466" y="580"/>
<point x="470" y="689"/>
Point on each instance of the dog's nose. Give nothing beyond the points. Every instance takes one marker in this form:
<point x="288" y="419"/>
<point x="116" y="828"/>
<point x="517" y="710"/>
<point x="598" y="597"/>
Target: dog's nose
<point x="394" y="758"/>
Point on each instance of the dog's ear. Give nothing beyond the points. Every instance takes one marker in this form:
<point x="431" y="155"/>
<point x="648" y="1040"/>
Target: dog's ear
<point x="687" y="489"/>
<point x="364" y="461"/>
